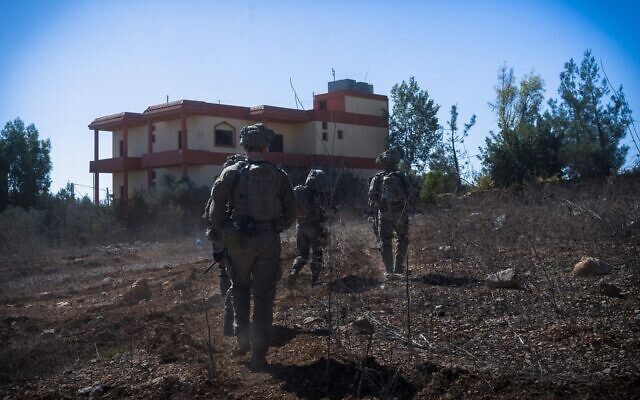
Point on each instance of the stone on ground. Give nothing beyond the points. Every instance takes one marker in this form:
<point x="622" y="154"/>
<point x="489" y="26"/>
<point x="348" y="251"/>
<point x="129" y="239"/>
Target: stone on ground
<point x="608" y="289"/>
<point x="589" y="266"/>
<point x="140" y="290"/>
<point x="505" y="279"/>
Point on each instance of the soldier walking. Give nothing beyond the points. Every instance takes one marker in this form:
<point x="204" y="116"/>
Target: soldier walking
<point x="391" y="194"/>
<point x="219" y="251"/>
<point x="261" y="205"/>
<point x="312" y="201"/>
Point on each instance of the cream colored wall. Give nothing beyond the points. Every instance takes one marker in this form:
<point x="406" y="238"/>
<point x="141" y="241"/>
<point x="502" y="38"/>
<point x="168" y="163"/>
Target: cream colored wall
<point x="137" y="141"/>
<point x="117" y="182"/>
<point x="166" y="135"/>
<point x="359" y="105"/>
<point x="137" y="182"/>
<point x="357" y="141"/>
<point x="201" y="133"/>
<point x="203" y="175"/>
<point x="115" y="149"/>
<point x="176" y="172"/>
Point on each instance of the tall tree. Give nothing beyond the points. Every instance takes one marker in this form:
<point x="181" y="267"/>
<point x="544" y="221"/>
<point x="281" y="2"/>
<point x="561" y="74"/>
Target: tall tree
<point x="592" y="127"/>
<point x="525" y="147"/>
<point x="26" y="165"/>
<point x="413" y="124"/>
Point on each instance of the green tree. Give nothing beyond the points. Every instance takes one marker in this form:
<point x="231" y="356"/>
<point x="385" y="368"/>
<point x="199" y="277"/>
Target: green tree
<point x="525" y="146"/>
<point x="25" y="165"/>
<point x="413" y="124"/>
<point x="446" y="158"/>
<point x="591" y="128"/>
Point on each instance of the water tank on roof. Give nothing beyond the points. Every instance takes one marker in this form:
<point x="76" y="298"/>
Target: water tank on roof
<point x="350" y="84"/>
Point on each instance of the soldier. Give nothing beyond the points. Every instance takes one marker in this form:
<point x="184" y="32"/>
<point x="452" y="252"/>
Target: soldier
<point x="312" y="201"/>
<point x="391" y="194"/>
<point x="261" y="205"/>
<point x="219" y="252"/>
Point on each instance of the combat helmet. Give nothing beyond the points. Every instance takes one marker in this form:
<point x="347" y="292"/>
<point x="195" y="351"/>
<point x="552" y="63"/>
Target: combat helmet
<point x="390" y="157"/>
<point x="233" y="159"/>
<point x="318" y="180"/>
<point x="256" y="135"/>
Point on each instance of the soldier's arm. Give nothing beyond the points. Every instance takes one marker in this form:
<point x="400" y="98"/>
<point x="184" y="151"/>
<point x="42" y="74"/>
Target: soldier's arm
<point x="220" y="196"/>
<point x="288" y="202"/>
<point x="374" y="192"/>
<point x="411" y="192"/>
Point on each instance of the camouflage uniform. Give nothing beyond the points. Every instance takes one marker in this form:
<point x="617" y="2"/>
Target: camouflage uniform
<point x="311" y="233"/>
<point x="392" y="217"/>
<point x="251" y="234"/>
<point x="219" y="251"/>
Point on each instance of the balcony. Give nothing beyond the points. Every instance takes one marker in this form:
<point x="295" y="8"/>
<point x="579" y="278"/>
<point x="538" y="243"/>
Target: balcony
<point x="110" y="165"/>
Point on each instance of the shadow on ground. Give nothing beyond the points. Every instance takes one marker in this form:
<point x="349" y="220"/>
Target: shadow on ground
<point x="335" y="380"/>
<point x="445" y="280"/>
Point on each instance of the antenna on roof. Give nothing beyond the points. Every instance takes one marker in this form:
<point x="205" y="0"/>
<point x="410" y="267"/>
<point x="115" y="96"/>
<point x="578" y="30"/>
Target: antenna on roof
<point x="333" y="72"/>
<point x="365" y="75"/>
<point x="167" y="98"/>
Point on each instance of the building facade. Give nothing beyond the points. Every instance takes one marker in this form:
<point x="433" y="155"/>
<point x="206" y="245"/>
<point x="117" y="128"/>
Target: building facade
<point x="347" y="128"/>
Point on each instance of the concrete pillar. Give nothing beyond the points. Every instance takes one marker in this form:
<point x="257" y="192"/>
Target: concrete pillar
<point x="184" y="142"/>
<point x="149" y="151"/>
<point x="96" y="175"/>
<point x="125" y="173"/>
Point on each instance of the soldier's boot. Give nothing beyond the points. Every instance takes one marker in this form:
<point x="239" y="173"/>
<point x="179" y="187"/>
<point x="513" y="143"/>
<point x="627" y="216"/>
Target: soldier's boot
<point x="298" y="263"/>
<point x="316" y="267"/>
<point x="387" y="257"/>
<point x="258" y="359"/>
<point x="243" y="345"/>
<point x="401" y="255"/>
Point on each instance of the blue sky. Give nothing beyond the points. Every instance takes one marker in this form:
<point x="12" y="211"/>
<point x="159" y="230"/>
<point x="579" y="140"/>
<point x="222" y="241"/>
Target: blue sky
<point x="66" y="62"/>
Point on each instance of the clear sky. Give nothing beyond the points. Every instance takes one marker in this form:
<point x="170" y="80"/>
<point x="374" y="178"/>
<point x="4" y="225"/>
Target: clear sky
<point x="64" y="63"/>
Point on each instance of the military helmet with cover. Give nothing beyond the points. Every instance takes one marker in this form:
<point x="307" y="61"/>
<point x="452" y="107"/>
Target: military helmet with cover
<point x="233" y="159"/>
<point x="318" y="180"/>
<point x="256" y="135"/>
<point x="390" y="157"/>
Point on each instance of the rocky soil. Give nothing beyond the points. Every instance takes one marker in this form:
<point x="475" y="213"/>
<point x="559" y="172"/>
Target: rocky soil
<point x="72" y="326"/>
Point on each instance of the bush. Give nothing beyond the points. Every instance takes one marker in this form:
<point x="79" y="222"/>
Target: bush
<point x="435" y="183"/>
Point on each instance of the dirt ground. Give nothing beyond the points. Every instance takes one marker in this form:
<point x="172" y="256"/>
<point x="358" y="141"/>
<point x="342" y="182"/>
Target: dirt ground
<point x="67" y="331"/>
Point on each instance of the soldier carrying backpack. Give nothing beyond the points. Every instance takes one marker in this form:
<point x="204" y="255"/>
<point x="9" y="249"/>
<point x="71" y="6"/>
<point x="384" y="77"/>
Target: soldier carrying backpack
<point x="312" y="202"/>
<point x="252" y="202"/>
<point x="391" y="194"/>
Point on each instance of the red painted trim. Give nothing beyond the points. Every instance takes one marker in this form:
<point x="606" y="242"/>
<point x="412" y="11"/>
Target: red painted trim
<point x="117" y="121"/>
<point x="350" y="118"/>
<point x="200" y="157"/>
<point x="350" y="93"/>
<point x="96" y="176"/>
<point x="278" y="114"/>
<point x="110" y="165"/>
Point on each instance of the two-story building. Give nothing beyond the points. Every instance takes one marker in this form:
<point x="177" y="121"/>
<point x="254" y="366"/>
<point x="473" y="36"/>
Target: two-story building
<point x="347" y="128"/>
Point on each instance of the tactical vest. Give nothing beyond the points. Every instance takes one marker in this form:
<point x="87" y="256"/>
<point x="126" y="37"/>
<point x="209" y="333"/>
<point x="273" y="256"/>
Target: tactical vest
<point x="255" y="191"/>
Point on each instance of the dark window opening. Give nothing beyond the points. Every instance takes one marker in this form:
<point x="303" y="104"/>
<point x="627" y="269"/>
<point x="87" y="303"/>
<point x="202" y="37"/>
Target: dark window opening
<point x="325" y="125"/>
<point x="325" y="136"/>
<point x="153" y="138"/>
<point x="121" y="193"/>
<point x="340" y="134"/>
<point x="224" y="137"/>
<point x="276" y="145"/>
<point x="179" y="140"/>
<point x="121" y="148"/>
<point x="322" y="104"/>
<point x="153" y="128"/>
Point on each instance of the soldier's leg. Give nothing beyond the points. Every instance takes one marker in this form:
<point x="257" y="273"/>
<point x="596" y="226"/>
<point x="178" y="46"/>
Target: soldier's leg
<point x="402" y="231"/>
<point x="239" y="262"/>
<point x="386" y="235"/>
<point x="266" y="274"/>
<point x="302" y="244"/>
<point x="317" y="241"/>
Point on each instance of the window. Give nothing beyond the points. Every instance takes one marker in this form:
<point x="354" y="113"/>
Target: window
<point x="153" y="138"/>
<point x="322" y="104"/>
<point x="179" y="140"/>
<point x="121" y="193"/>
<point x="325" y="136"/>
<point x="325" y="125"/>
<point x="340" y="134"/>
<point x="224" y="137"/>
<point x="121" y="148"/>
<point x="276" y="145"/>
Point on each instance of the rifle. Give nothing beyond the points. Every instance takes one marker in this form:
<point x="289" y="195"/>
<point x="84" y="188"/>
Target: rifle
<point x="217" y="257"/>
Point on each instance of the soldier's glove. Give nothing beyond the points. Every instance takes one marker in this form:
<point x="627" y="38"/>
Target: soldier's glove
<point x="219" y="255"/>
